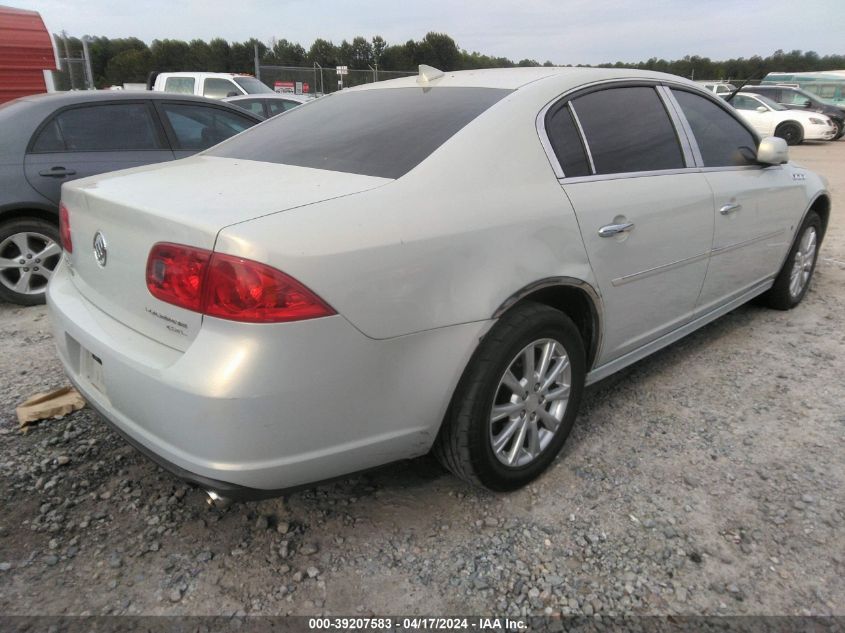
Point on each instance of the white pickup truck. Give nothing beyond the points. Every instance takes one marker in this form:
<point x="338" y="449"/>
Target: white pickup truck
<point x="212" y="85"/>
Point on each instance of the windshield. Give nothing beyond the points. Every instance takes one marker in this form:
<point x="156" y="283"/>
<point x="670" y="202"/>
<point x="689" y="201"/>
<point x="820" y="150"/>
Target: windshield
<point x="383" y="133"/>
<point x="252" y="85"/>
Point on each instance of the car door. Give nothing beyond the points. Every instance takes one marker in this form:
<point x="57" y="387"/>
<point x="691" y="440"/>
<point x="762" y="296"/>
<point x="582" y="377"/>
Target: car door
<point x="93" y="138"/>
<point x="192" y="127"/>
<point x="645" y="213"/>
<point x="755" y="206"/>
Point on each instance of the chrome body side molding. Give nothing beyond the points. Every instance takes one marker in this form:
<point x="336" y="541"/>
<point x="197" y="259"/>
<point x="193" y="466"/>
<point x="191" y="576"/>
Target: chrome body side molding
<point x="667" y="339"/>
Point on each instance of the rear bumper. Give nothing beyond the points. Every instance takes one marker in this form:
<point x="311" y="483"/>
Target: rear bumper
<point x="251" y="409"/>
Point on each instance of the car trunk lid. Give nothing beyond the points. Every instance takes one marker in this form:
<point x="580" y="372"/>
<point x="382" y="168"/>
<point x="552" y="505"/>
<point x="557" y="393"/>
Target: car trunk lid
<point x="186" y="202"/>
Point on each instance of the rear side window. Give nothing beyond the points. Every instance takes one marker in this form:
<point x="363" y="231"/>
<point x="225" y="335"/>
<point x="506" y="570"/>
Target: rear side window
<point x="793" y="97"/>
<point x="252" y="86"/>
<point x="49" y="139"/>
<point x="566" y="142"/>
<point x="774" y="95"/>
<point x="112" y="127"/>
<point x="741" y="102"/>
<point x="722" y="140"/>
<point x="628" y="130"/>
<point x="215" y="88"/>
<point x="199" y="127"/>
<point x="253" y="105"/>
<point x="277" y="106"/>
<point x="180" y="85"/>
<point x="383" y="132"/>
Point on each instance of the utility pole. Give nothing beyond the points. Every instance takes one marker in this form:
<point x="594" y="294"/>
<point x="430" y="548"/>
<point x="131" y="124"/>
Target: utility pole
<point x="89" y="75"/>
<point x="67" y="61"/>
<point x="257" y="65"/>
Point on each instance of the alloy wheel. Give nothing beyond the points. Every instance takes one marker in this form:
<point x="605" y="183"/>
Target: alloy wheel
<point x="27" y="261"/>
<point x="802" y="264"/>
<point x="530" y="402"/>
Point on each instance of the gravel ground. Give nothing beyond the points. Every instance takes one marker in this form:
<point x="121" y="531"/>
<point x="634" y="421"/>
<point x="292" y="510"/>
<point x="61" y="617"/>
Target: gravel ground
<point x="707" y="479"/>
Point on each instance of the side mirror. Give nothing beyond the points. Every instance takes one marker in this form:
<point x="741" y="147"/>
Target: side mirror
<point x="772" y="151"/>
<point x="762" y="109"/>
<point x="808" y="103"/>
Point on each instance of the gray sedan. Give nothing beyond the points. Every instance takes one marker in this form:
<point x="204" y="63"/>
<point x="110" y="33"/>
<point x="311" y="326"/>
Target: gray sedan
<point x="47" y="140"/>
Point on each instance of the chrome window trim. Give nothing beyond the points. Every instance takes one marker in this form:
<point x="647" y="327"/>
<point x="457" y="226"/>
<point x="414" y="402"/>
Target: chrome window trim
<point x="583" y="136"/>
<point x="540" y="125"/>
<point x="630" y="174"/>
<point x="692" y="153"/>
<point x="737" y="168"/>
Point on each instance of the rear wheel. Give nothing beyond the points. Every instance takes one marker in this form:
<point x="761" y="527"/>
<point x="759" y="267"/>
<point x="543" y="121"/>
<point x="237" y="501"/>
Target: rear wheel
<point x="839" y="130"/>
<point x="792" y="133"/>
<point x="793" y="280"/>
<point x="29" y="252"/>
<point x="517" y="401"/>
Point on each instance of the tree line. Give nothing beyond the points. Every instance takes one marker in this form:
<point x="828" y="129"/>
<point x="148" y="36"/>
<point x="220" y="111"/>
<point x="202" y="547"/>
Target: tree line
<point x="115" y="61"/>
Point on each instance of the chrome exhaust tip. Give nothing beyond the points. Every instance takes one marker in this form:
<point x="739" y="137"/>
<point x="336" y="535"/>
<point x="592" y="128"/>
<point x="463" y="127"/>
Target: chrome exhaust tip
<point x="216" y="501"/>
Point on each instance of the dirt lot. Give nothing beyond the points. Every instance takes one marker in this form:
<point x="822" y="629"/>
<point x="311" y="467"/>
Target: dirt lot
<point x="708" y="479"/>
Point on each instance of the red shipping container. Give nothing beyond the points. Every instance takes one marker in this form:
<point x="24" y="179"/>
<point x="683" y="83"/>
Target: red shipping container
<point x="26" y="51"/>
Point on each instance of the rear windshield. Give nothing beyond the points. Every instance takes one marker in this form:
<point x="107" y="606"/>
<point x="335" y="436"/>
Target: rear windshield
<point x="383" y="133"/>
<point x="252" y="85"/>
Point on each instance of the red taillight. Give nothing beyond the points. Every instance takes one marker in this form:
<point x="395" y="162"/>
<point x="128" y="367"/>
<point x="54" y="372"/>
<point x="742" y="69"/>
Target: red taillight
<point x="175" y="274"/>
<point x="228" y="287"/>
<point x="64" y="228"/>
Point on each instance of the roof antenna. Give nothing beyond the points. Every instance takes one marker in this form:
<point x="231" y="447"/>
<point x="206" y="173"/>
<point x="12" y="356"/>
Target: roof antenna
<point x="428" y="73"/>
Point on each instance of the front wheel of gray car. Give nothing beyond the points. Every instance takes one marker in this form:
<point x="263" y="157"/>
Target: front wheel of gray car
<point x="517" y="400"/>
<point x="793" y="280"/>
<point x="29" y="252"/>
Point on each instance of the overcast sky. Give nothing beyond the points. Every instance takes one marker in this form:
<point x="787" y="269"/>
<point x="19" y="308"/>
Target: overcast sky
<point x="563" y="31"/>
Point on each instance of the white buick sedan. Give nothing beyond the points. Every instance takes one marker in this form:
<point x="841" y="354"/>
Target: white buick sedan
<point x="433" y="263"/>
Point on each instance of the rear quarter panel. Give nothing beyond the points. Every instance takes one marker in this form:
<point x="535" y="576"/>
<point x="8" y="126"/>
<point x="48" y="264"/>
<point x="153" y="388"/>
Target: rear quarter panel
<point x="448" y="243"/>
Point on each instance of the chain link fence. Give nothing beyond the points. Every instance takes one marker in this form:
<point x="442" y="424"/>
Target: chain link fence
<point x="319" y="80"/>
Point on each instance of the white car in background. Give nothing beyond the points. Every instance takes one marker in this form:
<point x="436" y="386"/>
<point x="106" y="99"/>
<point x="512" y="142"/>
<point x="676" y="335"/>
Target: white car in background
<point x="773" y="119"/>
<point x="718" y="87"/>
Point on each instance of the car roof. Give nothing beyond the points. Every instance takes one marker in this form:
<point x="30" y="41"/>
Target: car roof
<point x="58" y="99"/>
<point x="267" y="95"/>
<point x="201" y="74"/>
<point x="782" y="87"/>
<point x="515" y="78"/>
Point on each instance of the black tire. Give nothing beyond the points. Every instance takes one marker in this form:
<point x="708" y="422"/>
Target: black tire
<point x="10" y="251"/>
<point x="790" y="132"/>
<point x="840" y="130"/>
<point x="464" y="443"/>
<point x="780" y="296"/>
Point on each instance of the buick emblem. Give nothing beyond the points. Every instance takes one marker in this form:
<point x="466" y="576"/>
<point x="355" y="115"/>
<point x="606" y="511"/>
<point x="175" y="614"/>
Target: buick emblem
<point x="100" y="249"/>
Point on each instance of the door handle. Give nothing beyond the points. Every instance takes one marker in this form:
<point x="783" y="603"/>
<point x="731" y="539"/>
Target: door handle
<point x="615" y="229"/>
<point x="57" y="172"/>
<point x="730" y="208"/>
